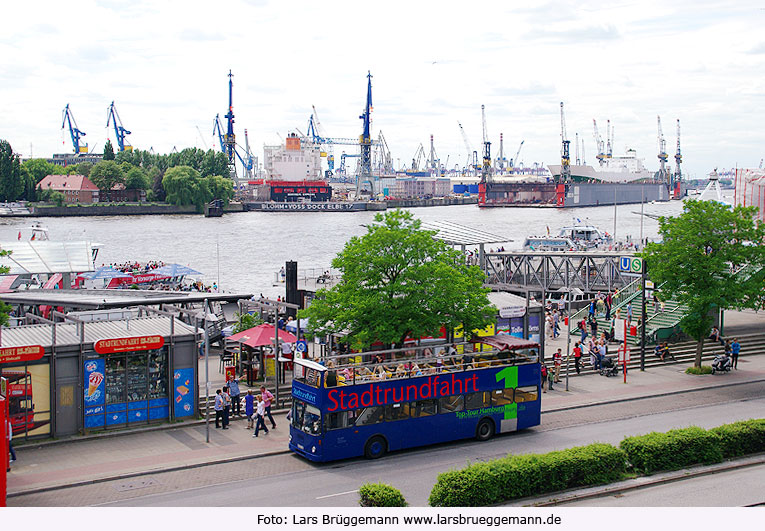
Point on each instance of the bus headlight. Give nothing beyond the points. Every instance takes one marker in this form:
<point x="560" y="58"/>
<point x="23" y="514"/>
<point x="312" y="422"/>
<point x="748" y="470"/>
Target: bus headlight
<point x="313" y="449"/>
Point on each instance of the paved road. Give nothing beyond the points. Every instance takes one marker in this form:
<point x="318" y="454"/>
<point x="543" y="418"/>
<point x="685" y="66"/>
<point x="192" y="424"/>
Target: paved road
<point x="287" y="480"/>
<point x="725" y="489"/>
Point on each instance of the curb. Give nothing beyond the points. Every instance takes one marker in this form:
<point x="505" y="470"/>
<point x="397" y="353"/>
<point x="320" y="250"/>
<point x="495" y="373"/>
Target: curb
<point x="669" y="477"/>
<point x="655" y="395"/>
<point x="129" y="475"/>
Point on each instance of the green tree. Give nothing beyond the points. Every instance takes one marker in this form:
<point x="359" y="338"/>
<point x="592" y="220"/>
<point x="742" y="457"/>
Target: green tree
<point x="214" y="163"/>
<point x="106" y="174"/>
<point x="136" y="179"/>
<point x="11" y="183"/>
<point x="698" y="260"/>
<point x="220" y="188"/>
<point x="184" y="186"/>
<point x="398" y="281"/>
<point x="40" y="168"/>
<point x="5" y="309"/>
<point x="108" y="150"/>
<point x="83" y="168"/>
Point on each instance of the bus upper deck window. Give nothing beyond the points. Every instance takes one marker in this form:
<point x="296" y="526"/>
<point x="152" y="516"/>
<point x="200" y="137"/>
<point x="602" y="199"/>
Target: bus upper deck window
<point x="526" y="394"/>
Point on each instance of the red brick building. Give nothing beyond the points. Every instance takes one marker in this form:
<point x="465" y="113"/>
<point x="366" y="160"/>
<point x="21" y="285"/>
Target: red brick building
<point x="76" y="188"/>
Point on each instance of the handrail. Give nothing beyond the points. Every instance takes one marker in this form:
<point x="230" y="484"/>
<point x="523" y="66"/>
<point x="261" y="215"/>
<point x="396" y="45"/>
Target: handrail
<point x="630" y="291"/>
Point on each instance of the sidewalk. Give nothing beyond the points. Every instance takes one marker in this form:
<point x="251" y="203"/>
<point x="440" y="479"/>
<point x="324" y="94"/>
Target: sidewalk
<point x="134" y="454"/>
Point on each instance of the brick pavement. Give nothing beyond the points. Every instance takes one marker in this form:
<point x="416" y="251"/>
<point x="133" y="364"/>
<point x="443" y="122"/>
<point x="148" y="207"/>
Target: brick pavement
<point x="133" y="454"/>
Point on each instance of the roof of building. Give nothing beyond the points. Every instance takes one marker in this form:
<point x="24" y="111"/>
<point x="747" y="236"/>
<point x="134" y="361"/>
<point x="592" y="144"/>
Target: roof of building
<point x="503" y="299"/>
<point x="67" y="333"/>
<point x="66" y="182"/>
<point x="456" y="234"/>
<point x="44" y="256"/>
<point x="100" y="299"/>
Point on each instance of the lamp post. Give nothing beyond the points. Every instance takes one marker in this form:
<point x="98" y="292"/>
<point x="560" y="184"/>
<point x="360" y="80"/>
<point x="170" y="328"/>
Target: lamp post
<point x="568" y="336"/>
<point x="207" y="375"/>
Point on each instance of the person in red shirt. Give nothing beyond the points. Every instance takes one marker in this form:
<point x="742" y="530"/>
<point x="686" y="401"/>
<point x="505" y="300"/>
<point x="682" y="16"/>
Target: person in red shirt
<point x="557" y="360"/>
<point x="267" y="398"/>
<point x="577" y="356"/>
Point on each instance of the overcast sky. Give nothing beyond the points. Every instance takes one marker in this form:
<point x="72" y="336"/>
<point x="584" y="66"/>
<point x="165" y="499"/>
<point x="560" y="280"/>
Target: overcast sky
<point x="165" y="66"/>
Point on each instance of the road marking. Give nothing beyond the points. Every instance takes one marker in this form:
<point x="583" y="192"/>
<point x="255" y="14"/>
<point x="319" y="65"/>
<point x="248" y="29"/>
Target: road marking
<point x="338" y="494"/>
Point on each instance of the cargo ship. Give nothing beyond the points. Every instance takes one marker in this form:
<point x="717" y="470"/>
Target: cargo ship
<point x="618" y="180"/>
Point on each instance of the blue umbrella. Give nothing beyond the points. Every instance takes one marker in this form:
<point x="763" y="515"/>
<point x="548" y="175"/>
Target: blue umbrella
<point x="105" y="272"/>
<point x="175" y="270"/>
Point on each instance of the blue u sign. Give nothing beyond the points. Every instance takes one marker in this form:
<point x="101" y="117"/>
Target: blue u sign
<point x="625" y="263"/>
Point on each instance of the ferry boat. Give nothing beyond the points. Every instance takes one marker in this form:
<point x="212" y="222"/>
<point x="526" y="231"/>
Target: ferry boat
<point x="571" y="238"/>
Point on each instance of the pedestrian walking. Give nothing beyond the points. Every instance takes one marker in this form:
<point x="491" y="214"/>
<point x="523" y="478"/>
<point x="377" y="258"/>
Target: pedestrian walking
<point x="219" y="408"/>
<point x="556" y="329"/>
<point x="235" y="393"/>
<point x="735" y="348"/>
<point x="268" y="398"/>
<point x="226" y="407"/>
<point x="9" y="435"/>
<point x="260" y="413"/>
<point x="577" y="356"/>
<point x="594" y="327"/>
<point x="543" y="371"/>
<point x="557" y="361"/>
<point x="629" y="313"/>
<point x="583" y="328"/>
<point x="249" y="408"/>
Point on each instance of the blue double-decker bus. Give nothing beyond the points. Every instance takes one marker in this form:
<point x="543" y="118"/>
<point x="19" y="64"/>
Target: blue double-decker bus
<point x="342" y="410"/>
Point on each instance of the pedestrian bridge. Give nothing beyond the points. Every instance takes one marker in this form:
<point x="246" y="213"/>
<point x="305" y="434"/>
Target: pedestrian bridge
<point x="589" y="271"/>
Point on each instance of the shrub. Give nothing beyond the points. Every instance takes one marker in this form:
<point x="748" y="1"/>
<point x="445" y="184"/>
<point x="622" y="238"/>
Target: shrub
<point x="741" y="438"/>
<point x="672" y="450"/>
<point x="704" y="369"/>
<point x="380" y="495"/>
<point x="514" y="477"/>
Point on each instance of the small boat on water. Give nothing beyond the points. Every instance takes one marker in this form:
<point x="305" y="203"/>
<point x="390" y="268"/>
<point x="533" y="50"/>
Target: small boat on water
<point x="570" y="238"/>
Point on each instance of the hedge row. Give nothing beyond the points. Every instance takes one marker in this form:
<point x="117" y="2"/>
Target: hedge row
<point x="520" y="476"/>
<point x="525" y="475"/>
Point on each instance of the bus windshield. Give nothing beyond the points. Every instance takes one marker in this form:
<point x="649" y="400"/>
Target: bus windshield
<point x="306" y="417"/>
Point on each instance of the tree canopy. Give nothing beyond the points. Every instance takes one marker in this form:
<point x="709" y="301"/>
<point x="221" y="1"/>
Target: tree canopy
<point x="184" y="185"/>
<point x="106" y="174"/>
<point x="698" y="263"/>
<point x="108" y="150"/>
<point x="398" y="281"/>
<point x="11" y="182"/>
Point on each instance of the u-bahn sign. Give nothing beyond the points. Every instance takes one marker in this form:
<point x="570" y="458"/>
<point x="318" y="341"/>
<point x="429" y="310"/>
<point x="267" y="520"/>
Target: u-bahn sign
<point x="631" y="264"/>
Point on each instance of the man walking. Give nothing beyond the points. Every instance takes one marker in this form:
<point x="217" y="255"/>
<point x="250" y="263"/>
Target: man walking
<point x="233" y="386"/>
<point x="267" y="399"/>
<point x="557" y="360"/>
<point x="259" y="422"/>
<point x="219" y="408"/>
<point x="577" y="356"/>
<point x="735" y="348"/>
<point x="9" y="429"/>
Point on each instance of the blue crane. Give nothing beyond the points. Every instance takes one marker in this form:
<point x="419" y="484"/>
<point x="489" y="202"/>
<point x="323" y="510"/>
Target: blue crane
<point x="224" y="147"/>
<point x="113" y="117"/>
<point x="73" y="131"/>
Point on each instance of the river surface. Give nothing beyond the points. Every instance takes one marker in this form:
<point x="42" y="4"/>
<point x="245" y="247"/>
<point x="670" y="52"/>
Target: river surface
<point x="245" y="250"/>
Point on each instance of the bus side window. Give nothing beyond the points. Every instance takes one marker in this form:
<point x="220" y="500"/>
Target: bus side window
<point x="370" y="415"/>
<point x="500" y="397"/>
<point x="526" y="394"/>
<point x="423" y="408"/>
<point x="396" y="411"/>
<point x="449" y="404"/>
<point x="477" y="400"/>
<point x="335" y="421"/>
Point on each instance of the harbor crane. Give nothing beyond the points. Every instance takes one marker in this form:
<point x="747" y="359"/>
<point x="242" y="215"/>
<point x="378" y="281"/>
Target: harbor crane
<point x="74" y="131"/>
<point x="599" y="143"/>
<point x="247" y="163"/>
<point x="565" y="158"/>
<point x="365" y="142"/>
<point x="419" y="156"/>
<point x="472" y="156"/>
<point x="679" y="156"/>
<point x="112" y="116"/>
<point x="515" y="160"/>
<point x="662" y="152"/>
<point x="433" y="160"/>
<point x="576" y="147"/>
<point x="230" y="138"/>
<point x="486" y="169"/>
<point x="609" y="140"/>
<point x="501" y="161"/>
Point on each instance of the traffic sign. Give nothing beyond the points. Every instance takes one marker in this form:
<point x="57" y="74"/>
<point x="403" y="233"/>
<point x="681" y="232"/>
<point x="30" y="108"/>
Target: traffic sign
<point x="301" y="346"/>
<point x="631" y="264"/>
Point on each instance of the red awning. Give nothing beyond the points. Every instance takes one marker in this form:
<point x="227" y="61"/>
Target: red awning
<point x="261" y="336"/>
<point x="505" y="342"/>
<point x="6" y="282"/>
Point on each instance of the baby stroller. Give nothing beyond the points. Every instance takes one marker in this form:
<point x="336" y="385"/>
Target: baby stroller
<point x="608" y="367"/>
<point x="721" y="363"/>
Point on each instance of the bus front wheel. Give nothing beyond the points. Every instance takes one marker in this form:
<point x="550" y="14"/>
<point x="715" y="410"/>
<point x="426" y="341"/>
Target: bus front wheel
<point x="375" y="447"/>
<point x="485" y="430"/>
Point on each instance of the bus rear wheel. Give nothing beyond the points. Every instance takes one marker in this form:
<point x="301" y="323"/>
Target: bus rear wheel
<point x="375" y="448"/>
<point x="485" y="430"/>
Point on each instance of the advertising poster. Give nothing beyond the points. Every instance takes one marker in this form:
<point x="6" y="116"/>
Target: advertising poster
<point x="534" y="327"/>
<point x="183" y="392"/>
<point x="94" y="392"/>
<point x="29" y="399"/>
<point x="516" y="327"/>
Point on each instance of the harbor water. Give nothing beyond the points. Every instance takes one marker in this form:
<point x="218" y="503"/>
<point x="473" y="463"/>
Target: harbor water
<point x="243" y="251"/>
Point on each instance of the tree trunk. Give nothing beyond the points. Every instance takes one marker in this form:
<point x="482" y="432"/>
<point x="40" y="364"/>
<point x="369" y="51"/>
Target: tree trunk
<point x="699" y="350"/>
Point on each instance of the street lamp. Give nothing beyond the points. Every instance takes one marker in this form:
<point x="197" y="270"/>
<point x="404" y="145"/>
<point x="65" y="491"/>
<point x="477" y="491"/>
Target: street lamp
<point x="568" y="336"/>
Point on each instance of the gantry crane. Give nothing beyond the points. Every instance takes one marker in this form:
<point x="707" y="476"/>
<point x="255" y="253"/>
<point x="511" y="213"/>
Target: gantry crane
<point x="418" y="157"/>
<point x="515" y="161"/>
<point x="112" y="116"/>
<point x="486" y="169"/>
<point x="75" y="133"/>
<point x="609" y="140"/>
<point x="501" y="161"/>
<point x="472" y="156"/>
<point x="565" y="158"/>
<point x="662" y="153"/>
<point x="365" y="142"/>
<point x="679" y="156"/>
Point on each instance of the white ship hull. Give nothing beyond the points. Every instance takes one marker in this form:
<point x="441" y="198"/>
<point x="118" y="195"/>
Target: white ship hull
<point x="580" y="172"/>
